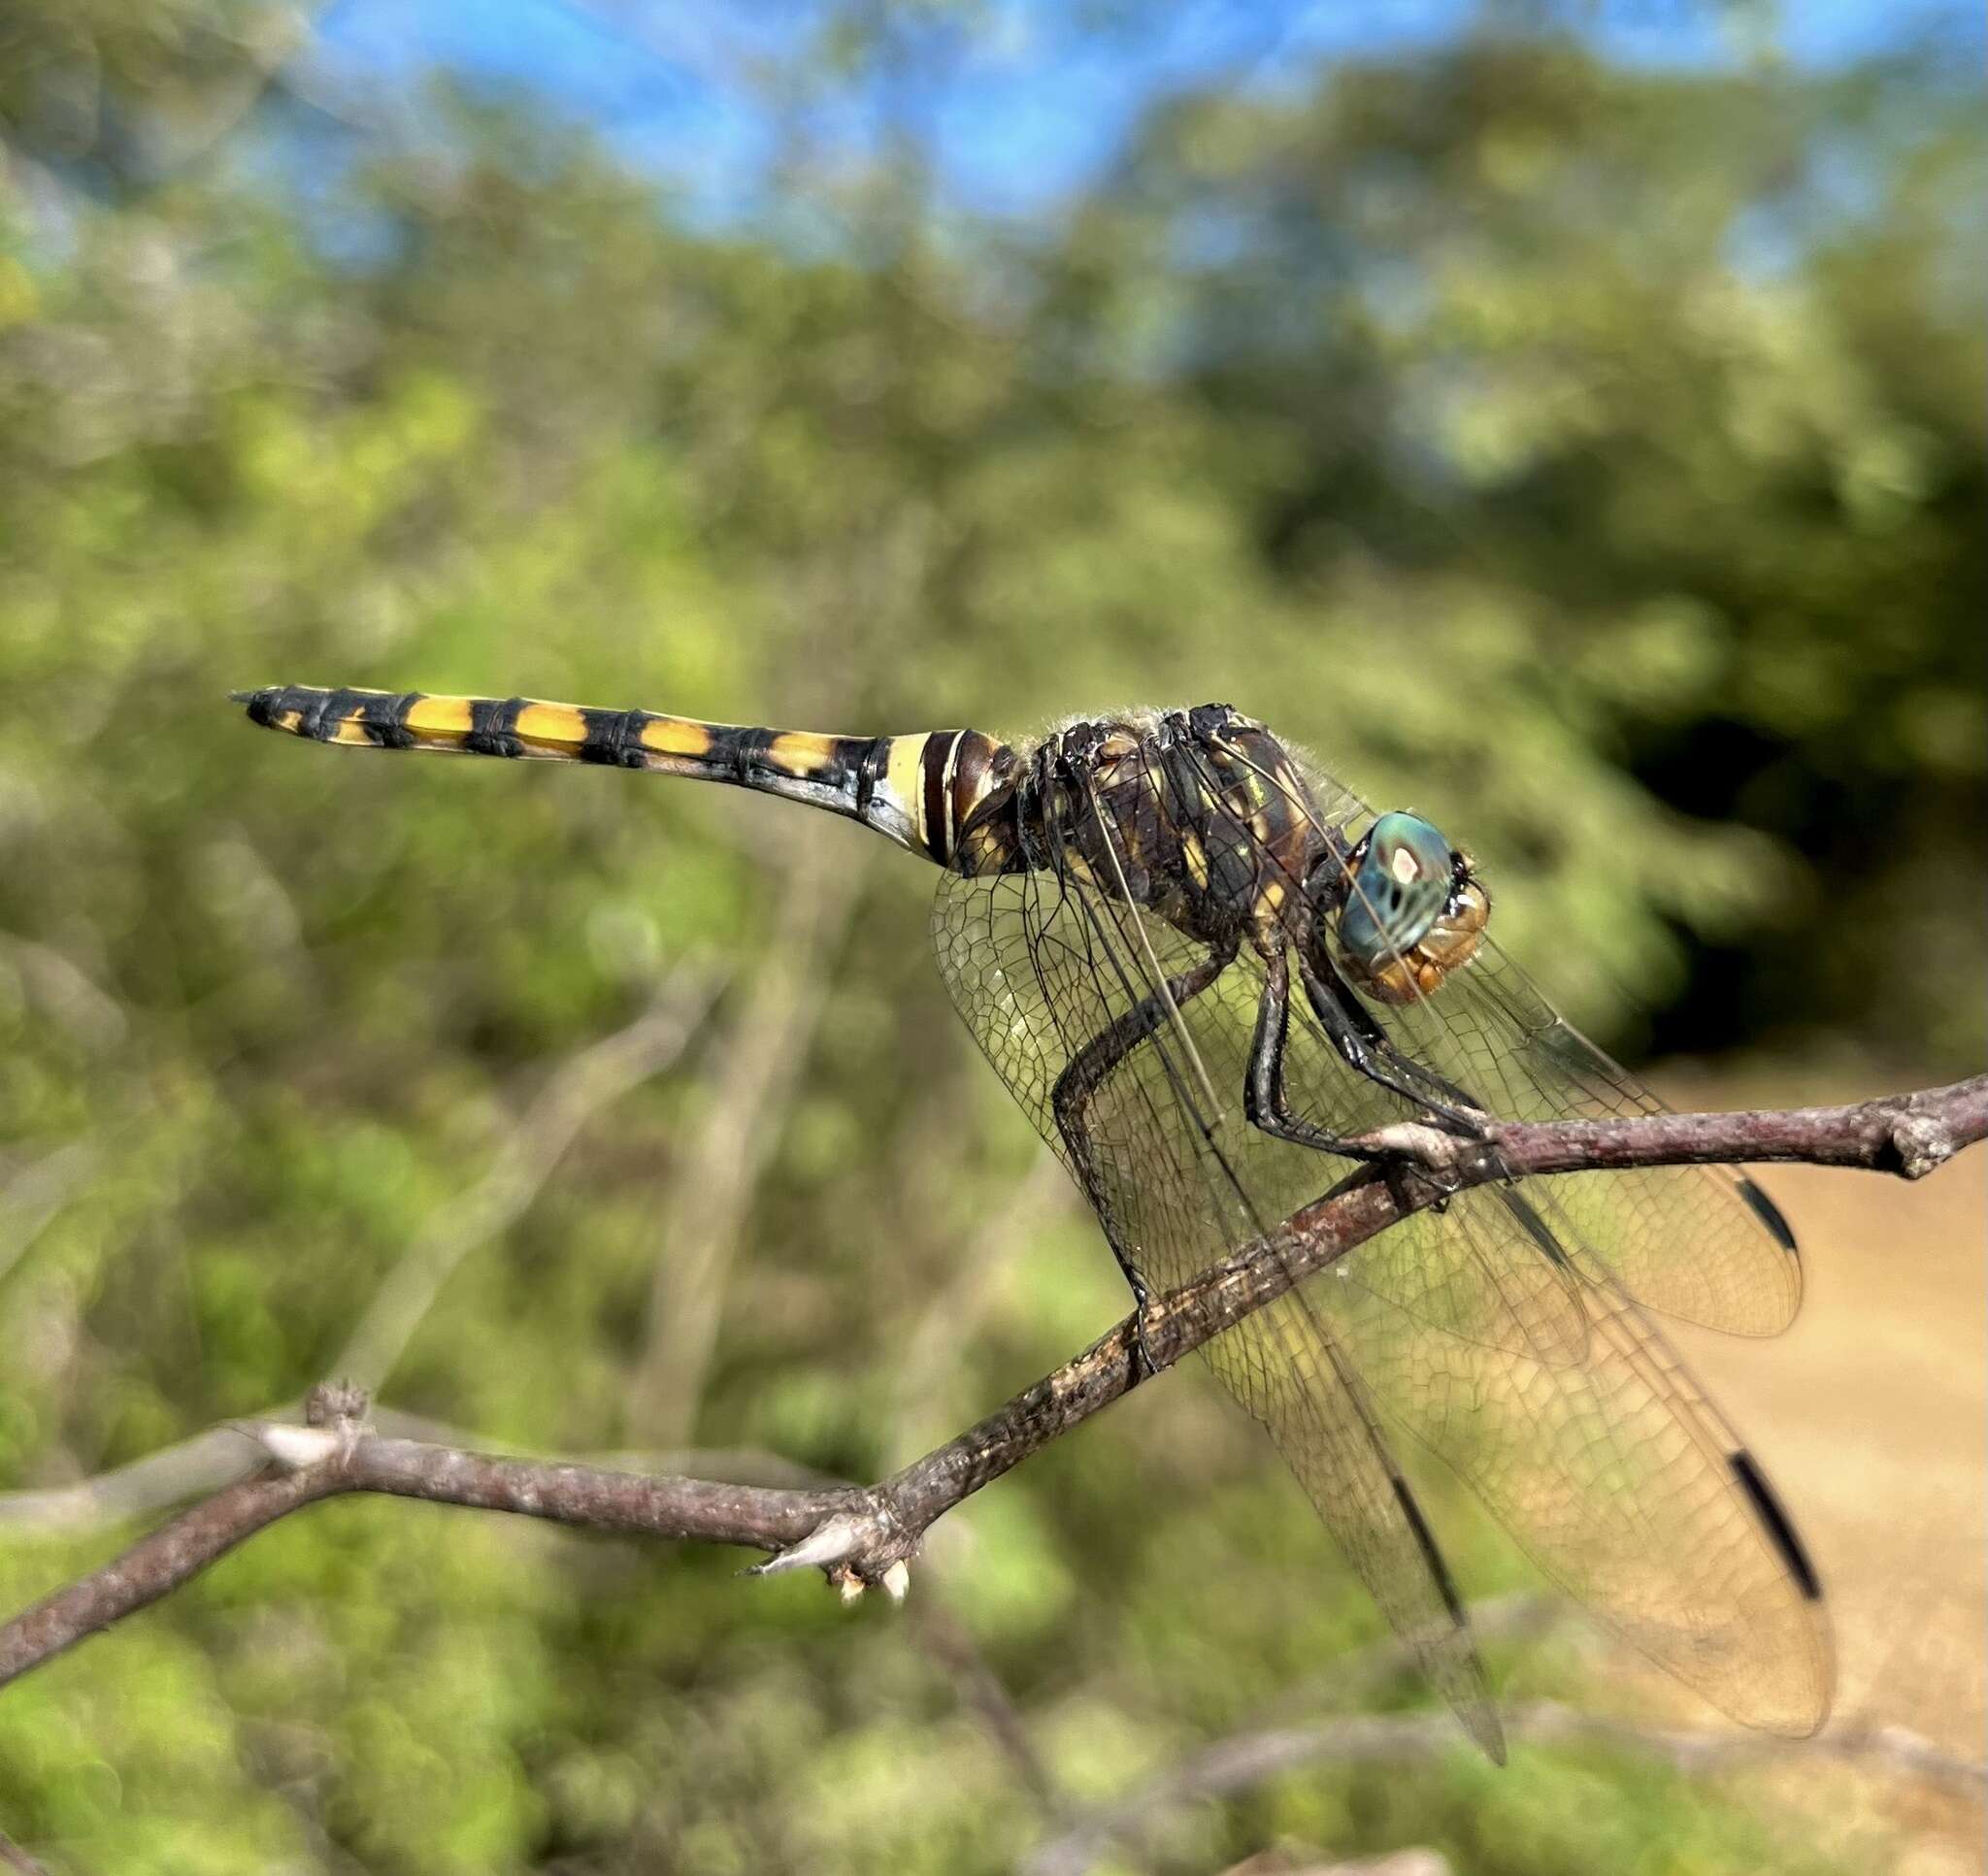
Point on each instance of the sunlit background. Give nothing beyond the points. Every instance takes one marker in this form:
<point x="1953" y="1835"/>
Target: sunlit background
<point x="1564" y="420"/>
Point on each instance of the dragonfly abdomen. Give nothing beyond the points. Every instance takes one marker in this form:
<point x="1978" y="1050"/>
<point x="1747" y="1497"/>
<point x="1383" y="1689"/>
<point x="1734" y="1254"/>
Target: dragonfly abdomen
<point x="918" y="791"/>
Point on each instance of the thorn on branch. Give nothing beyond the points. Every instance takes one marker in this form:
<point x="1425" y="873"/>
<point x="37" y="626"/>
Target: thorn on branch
<point x="334" y="1422"/>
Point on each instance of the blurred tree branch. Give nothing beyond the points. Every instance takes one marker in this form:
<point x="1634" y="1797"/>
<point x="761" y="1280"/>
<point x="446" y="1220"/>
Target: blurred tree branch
<point x="524" y="1158"/>
<point x="750" y="1089"/>
<point x="1252" y="1759"/>
<point x="14" y="1856"/>
<point x="863" y="1535"/>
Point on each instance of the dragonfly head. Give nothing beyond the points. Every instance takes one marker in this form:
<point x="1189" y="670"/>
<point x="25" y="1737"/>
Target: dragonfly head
<point x="1411" y="912"/>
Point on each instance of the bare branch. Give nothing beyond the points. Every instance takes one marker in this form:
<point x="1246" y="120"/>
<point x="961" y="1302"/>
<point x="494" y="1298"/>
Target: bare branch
<point x="157" y="1564"/>
<point x="220" y="1456"/>
<point x="526" y="1157"/>
<point x="859" y="1536"/>
<point x="169" y="1476"/>
<point x="1909" y="1134"/>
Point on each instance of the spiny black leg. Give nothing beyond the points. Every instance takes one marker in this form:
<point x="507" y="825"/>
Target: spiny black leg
<point x="1454" y="1107"/>
<point x="1088" y="1071"/>
<point x="1384" y="1048"/>
<point x="1264" y="1101"/>
<point x="1365" y="1048"/>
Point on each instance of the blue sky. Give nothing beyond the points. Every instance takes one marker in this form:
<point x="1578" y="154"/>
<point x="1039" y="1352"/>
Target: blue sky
<point x="1025" y="104"/>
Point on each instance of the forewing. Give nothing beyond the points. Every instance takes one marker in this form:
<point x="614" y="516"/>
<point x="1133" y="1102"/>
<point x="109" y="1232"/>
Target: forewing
<point x="1039" y="967"/>
<point x="1702" y="1243"/>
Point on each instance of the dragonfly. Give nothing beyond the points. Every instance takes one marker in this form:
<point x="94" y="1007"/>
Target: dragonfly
<point x="1208" y="970"/>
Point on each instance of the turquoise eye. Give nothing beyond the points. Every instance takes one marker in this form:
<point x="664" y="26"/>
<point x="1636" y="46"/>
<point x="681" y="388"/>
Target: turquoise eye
<point x="1398" y="890"/>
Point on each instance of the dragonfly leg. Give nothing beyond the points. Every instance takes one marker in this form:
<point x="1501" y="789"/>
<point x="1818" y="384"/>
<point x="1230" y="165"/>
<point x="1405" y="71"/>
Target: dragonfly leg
<point x="1365" y="1047"/>
<point x="1264" y="1099"/>
<point x="1088" y="1071"/>
<point x="1265" y="1103"/>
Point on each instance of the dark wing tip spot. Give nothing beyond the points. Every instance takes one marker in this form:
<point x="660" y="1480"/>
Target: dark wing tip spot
<point x="1770" y="1214"/>
<point x="1775" y="1522"/>
<point x="1439" y="1568"/>
<point x="1536" y="1229"/>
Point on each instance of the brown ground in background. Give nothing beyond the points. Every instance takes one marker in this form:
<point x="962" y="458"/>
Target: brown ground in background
<point x="1872" y="1416"/>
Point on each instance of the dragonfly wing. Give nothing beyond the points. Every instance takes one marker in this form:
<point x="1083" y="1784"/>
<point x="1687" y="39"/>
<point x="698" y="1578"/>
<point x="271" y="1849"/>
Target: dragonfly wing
<point x="1554" y="1398"/>
<point x="1487" y="1267"/>
<point x="1039" y="967"/>
<point x="1627" y="1487"/>
<point x="1704" y="1244"/>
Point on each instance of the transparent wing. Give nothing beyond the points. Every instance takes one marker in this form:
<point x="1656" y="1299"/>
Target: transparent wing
<point x="1556" y="1399"/>
<point x="1627" y="1487"/>
<point x="1039" y="969"/>
<point x="1704" y="1244"/>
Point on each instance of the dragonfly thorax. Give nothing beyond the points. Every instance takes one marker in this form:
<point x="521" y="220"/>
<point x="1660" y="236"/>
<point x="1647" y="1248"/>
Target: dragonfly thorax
<point x="1203" y="818"/>
<point x="1199" y="817"/>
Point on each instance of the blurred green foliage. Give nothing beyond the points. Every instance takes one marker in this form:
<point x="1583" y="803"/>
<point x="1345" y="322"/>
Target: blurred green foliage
<point x="1590" y="457"/>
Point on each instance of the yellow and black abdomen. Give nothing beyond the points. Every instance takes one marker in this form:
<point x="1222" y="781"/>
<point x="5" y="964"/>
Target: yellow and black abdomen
<point x="917" y="790"/>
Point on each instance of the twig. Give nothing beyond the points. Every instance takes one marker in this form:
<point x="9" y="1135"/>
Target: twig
<point x="532" y="1147"/>
<point x="16" y="1858"/>
<point x="1909" y="1134"/>
<point x="218" y="1456"/>
<point x="526" y="1157"/>
<point x="861" y="1537"/>
<point x="755" y="1077"/>
<point x="1252" y="1759"/>
<point x="37" y="1193"/>
<point x="170" y="1475"/>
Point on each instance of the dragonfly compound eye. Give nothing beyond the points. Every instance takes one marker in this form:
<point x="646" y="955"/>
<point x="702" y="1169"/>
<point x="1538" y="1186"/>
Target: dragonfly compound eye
<point x="1412" y="913"/>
